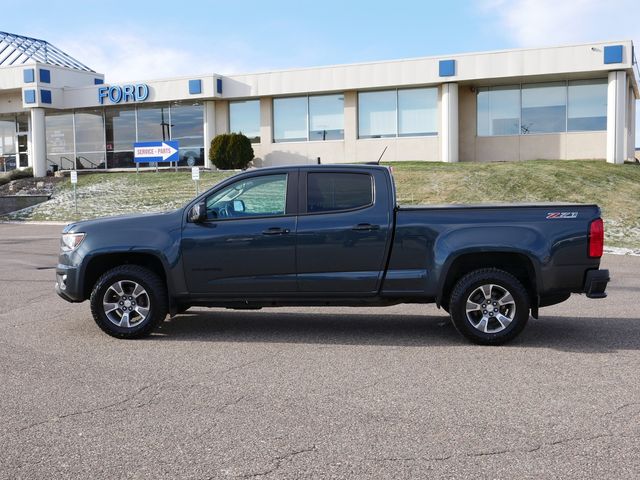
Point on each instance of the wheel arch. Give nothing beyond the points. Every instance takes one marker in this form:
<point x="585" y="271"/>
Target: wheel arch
<point x="516" y="263"/>
<point x="101" y="263"/>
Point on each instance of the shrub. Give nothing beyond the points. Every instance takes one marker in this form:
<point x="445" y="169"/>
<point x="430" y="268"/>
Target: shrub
<point x="231" y="151"/>
<point x="15" y="174"/>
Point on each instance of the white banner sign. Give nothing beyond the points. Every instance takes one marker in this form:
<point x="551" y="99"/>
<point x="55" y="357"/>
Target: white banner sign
<point x="74" y="177"/>
<point x="195" y="173"/>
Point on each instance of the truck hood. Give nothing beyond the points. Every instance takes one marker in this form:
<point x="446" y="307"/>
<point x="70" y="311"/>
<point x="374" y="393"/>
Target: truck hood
<point x="123" y="223"/>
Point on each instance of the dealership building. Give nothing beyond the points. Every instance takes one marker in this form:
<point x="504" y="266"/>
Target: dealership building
<point x="566" y="102"/>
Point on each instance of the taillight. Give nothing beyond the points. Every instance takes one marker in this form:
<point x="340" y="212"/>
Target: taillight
<point x="596" y="238"/>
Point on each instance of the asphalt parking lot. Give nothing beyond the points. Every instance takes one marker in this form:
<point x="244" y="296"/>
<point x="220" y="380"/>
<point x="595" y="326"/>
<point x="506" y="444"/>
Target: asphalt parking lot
<point x="312" y="393"/>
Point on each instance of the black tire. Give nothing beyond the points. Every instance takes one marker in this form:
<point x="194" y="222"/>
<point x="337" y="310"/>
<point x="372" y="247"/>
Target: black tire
<point x="490" y="326"/>
<point x="156" y="301"/>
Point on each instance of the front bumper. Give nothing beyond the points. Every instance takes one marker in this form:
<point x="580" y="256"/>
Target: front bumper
<point x="67" y="285"/>
<point x="595" y="283"/>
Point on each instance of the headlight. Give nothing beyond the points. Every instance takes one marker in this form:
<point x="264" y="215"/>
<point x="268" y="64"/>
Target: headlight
<point x="70" y="241"/>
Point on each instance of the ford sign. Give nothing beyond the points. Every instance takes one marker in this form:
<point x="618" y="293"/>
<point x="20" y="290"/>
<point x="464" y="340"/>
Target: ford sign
<point x="124" y="93"/>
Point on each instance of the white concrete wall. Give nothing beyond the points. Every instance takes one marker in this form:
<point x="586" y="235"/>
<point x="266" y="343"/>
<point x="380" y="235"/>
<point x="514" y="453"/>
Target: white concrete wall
<point x="565" y="60"/>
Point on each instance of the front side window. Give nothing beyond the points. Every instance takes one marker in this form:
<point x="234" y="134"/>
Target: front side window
<point x="252" y="197"/>
<point x="328" y="192"/>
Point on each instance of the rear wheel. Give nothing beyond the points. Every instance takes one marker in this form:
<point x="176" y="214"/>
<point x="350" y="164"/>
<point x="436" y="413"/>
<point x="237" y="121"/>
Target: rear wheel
<point x="129" y="301"/>
<point x="489" y="306"/>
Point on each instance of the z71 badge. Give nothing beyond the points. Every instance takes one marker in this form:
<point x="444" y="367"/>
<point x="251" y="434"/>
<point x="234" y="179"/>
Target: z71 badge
<point x="562" y="215"/>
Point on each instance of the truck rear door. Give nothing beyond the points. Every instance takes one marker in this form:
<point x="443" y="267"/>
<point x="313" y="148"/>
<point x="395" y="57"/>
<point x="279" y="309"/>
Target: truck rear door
<point x="344" y="229"/>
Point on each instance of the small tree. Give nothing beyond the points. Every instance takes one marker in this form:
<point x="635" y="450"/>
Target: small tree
<point x="231" y="151"/>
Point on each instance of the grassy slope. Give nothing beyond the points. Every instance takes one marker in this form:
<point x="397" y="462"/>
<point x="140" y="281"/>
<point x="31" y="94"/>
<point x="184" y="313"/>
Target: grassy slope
<point x="616" y="188"/>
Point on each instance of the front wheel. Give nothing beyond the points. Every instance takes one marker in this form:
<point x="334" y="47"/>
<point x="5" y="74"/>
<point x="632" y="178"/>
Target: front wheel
<point x="129" y="301"/>
<point x="489" y="306"/>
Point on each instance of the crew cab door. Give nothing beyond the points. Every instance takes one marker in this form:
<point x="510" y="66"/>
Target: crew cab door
<point x="246" y="246"/>
<point x="344" y="229"/>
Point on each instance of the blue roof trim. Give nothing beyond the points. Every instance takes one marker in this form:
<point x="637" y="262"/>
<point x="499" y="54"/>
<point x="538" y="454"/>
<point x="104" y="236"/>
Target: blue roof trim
<point x="447" y="68"/>
<point x="28" y="75"/>
<point x="613" y="54"/>
<point x="45" y="75"/>
<point x="98" y="81"/>
<point x="195" y="87"/>
<point x="29" y="96"/>
<point x="45" y="96"/>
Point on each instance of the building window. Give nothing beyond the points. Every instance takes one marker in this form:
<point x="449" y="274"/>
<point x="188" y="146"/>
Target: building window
<point x="188" y="129"/>
<point x="498" y="110"/>
<point x="417" y="112"/>
<point x="587" y="105"/>
<point x="392" y="113"/>
<point x="7" y="143"/>
<point x="89" y="128"/>
<point x="290" y="119"/>
<point x="316" y="117"/>
<point x="244" y="117"/>
<point x="377" y="114"/>
<point x="553" y="107"/>
<point x="59" y="137"/>
<point x="326" y="117"/>
<point x="120" y="130"/>
<point x="544" y="108"/>
<point x="154" y="124"/>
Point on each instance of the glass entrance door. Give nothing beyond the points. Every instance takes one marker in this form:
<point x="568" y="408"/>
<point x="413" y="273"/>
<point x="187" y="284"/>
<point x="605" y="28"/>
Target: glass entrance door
<point x="7" y="143"/>
<point x="23" y="150"/>
<point x="23" y="139"/>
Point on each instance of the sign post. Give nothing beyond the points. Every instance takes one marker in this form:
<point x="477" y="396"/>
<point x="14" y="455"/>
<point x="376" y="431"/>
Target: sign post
<point x="156" y="152"/>
<point x="74" y="182"/>
<point x="195" y="176"/>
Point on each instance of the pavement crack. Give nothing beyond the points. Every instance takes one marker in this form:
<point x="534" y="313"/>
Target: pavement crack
<point x="505" y="451"/>
<point x="621" y="407"/>
<point x="91" y="410"/>
<point x="221" y="409"/>
<point x="278" y="461"/>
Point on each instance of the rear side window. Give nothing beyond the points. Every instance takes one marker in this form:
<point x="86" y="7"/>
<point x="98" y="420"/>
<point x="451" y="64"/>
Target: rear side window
<point x="327" y="192"/>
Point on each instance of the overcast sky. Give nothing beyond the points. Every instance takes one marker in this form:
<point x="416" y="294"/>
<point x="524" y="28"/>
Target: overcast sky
<point x="155" y="39"/>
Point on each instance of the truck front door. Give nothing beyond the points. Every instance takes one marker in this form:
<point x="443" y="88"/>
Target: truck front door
<point x="246" y="246"/>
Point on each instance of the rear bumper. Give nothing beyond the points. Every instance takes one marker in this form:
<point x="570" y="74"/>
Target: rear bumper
<point x="595" y="283"/>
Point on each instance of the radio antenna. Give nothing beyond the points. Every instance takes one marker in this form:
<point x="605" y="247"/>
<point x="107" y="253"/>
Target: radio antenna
<point x="382" y="154"/>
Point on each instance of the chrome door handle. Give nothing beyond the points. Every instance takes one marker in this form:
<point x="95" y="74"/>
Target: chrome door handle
<point x="276" y="231"/>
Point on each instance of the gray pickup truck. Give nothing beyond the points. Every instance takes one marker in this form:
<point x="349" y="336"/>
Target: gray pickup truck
<point x="332" y="235"/>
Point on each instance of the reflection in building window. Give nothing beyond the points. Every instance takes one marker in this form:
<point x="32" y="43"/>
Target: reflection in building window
<point x="290" y="119"/>
<point x="403" y="112"/>
<point x="244" y="117"/>
<point x="587" y="105"/>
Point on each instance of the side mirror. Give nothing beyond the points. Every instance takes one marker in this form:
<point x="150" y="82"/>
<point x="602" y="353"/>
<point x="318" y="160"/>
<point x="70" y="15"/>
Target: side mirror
<point x="238" y="206"/>
<point x="198" y="212"/>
